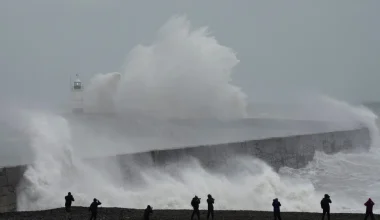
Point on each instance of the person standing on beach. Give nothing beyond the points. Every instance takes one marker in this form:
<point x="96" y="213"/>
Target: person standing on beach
<point x="325" y="205"/>
<point x="195" y="203"/>
<point x="68" y="200"/>
<point x="369" y="210"/>
<point x="210" y="207"/>
<point x="94" y="208"/>
<point x="276" y="209"/>
<point x="147" y="212"/>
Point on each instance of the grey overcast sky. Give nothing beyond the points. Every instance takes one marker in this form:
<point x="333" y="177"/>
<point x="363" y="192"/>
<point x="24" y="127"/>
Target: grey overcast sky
<point x="284" y="46"/>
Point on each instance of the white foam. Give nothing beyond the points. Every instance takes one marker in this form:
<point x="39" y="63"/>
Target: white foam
<point x="186" y="74"/>
<point x="57" y="171"/>
<point x="247" y="183"/>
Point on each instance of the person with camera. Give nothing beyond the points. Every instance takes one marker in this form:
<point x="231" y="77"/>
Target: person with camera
<point x="68" y="200"/>
<point x="147" y="212"/>
<point x="276" y="209"/>
<point x="369" y="210"/>
<point x="325" y="205"/>
<point x="195" y="203"/>
<point x="210" y="207"/>
<point x="94" y="208"/>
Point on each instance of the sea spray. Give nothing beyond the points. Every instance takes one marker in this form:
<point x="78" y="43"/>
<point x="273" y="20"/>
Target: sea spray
<point x="100" y="94"/>
<point x="52" y="152"/>
<point x="250" y="181"/>
<point x="183" y="74"/>
<point x="56" y="172"/>
<point x="349" y="178"/>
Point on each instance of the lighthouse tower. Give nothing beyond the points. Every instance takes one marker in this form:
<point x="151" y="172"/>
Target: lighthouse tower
<point x="77" y="95"/>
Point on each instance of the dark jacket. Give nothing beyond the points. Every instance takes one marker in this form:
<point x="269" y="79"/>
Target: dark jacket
<point x="210" y="202"/>
<point x="94" y="206"/>
<point x="325" y="203"/>
<point x="69" y="199"/>
<point x="369" y="205"/>
<point x="147" y="212"/>
<point x="195" y="202"/>
<point x="276" y="205"/>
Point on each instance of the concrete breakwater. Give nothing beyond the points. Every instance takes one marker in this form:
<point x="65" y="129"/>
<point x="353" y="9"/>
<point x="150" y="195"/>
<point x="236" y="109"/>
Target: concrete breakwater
<point x="10" y="177"/>
<point x="292" y="151"/>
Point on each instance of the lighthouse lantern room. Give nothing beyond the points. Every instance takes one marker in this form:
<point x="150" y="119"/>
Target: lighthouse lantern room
<point x="77" y="95"/>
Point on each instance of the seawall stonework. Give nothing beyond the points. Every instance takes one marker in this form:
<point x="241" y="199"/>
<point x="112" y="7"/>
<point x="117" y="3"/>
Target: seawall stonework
<point x="9" y="180"/>
<point x="292" y="151"/>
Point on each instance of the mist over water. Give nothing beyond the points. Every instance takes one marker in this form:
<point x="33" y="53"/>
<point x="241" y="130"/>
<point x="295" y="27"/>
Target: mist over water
<point x="184" y="74"/>
<point x="184" y="67"/>
<point x="245" y="183"/>
<point x="99" y="96"/>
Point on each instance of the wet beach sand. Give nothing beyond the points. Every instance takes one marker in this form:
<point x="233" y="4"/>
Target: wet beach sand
<point x="81" y="213"/>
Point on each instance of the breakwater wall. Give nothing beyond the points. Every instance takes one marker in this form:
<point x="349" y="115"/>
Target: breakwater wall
<point x="10" y="177"/>
<point x="292" y="151"/>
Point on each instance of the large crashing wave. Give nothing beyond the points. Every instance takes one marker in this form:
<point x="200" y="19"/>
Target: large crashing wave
<point x="57" y="171"/>
<point x="183" y="74"/>
<point x="247" y="185"/>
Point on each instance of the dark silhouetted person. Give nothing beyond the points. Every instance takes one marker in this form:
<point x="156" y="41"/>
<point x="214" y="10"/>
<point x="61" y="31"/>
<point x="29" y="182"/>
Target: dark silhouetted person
<point x="369" y="210"/>
<point x="94" y="208"/>
<point x="147" y="212"/>
<point x="325" y="205"/>
<point x="210" y="206"/>
<point x="195" y="203"/>
<point x="276" y="209"/>
<point x="68" y="200"/>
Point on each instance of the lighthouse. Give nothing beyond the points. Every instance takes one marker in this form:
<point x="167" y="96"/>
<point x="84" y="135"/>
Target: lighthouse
<point x="77" y="95"/>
